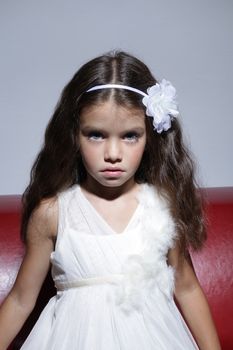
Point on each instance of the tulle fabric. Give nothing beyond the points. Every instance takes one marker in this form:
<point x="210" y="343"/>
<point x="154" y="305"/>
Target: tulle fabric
<point x="94" y="309"/>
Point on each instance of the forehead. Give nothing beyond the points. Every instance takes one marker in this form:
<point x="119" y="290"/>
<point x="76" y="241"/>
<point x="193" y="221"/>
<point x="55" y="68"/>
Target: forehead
<point x="109" y="114"/>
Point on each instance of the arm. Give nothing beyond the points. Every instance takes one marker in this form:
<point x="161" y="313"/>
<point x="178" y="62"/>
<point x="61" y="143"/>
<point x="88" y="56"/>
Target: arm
<point x="193" y="303"/>
<point x="21" y="300"/>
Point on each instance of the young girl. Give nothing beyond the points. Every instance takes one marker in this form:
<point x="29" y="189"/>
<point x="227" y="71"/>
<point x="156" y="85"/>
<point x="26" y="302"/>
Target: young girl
<point x="113" y="207"/>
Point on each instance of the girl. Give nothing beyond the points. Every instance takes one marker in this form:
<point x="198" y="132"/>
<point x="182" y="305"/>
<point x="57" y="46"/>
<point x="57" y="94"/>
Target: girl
<point x="113" y="207"/>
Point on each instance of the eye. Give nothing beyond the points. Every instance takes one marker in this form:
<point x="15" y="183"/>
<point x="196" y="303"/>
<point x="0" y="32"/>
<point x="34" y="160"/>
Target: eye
<point x="95" y="135"/>
<point x="131" y="136"/>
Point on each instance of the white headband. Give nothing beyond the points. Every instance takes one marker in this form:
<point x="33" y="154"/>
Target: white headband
<point x="160" y="102"/>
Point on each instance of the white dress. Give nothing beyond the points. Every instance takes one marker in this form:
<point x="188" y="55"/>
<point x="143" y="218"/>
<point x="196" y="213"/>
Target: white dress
<point x="114" y="290"/>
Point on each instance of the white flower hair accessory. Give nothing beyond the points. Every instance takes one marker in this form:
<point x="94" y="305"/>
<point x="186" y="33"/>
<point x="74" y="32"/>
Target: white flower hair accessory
<point x="160" y="102"/>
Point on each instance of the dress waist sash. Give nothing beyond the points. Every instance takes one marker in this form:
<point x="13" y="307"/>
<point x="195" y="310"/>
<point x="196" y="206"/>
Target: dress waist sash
<point x="113" y="278"/>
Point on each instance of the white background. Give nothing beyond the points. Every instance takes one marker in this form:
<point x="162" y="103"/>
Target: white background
<point x="188" y="42"/>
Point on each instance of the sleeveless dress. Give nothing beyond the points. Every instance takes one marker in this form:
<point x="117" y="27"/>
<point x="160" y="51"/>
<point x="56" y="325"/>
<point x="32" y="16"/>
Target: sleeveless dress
<point x="114" y="290"/>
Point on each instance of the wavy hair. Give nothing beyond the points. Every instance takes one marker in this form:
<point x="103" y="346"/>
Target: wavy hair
<point x="166" y="162"/>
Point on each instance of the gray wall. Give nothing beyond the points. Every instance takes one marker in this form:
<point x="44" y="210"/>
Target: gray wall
<point x="44" y="42"/>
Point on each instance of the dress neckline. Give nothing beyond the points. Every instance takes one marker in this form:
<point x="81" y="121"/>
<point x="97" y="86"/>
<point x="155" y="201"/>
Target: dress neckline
<point x="104" y="222"/>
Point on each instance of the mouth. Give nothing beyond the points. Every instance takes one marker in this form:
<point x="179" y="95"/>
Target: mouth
<point x="112" y="172"/>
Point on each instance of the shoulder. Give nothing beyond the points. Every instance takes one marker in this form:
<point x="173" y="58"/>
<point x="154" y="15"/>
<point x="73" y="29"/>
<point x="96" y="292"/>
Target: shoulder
<point x="43" y="221"/>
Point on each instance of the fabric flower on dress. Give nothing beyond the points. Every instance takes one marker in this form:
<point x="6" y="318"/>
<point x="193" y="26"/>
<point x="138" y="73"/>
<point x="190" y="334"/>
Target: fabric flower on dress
<point x="161" y="104"/>
<point x="148" y="272"/>
<point x="128" y="293"/>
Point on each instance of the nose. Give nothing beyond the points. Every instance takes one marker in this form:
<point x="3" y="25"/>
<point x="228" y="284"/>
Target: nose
<point x="113" y="152"/>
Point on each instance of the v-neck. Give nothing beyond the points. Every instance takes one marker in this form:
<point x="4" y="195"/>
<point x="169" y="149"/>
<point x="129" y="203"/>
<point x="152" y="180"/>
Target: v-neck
<point x="104" y="222"/>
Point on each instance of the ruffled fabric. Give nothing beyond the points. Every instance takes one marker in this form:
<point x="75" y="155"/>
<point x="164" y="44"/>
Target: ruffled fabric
<point x="145" y="272"/>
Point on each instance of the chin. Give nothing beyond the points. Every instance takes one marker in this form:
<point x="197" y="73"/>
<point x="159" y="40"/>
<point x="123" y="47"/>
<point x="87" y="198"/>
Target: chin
<point x="114" y="183"/>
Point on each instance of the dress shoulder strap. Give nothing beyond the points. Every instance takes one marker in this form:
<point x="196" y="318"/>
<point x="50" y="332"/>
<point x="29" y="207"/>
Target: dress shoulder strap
<point x="65" y="207"/>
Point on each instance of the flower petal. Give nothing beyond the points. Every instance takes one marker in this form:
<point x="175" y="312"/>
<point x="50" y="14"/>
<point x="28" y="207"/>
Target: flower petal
<point x="161" y="104"/>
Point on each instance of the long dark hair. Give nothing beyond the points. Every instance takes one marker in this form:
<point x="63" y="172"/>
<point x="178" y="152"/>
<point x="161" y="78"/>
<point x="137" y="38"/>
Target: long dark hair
<point x="166" y="162"/>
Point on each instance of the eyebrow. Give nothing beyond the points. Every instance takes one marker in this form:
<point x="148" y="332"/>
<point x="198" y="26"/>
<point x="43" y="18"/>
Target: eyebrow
<point x="87" y="129"/>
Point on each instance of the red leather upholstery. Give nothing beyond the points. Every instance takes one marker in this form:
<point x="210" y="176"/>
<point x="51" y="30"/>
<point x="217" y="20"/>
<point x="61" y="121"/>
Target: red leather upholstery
<point x="11" y="253"/>
<point x="213" y="264"/>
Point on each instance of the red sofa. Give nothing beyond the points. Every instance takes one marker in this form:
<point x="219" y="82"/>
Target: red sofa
<point x="213" y="264"/>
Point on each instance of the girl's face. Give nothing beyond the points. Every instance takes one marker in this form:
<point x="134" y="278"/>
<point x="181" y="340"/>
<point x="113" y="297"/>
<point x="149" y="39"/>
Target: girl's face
<point x="112" y="141"/>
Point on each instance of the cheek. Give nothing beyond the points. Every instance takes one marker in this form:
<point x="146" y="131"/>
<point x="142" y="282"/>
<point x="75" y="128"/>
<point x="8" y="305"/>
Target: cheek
<point x="136" y="155"/>
<point x="88" y="154"/>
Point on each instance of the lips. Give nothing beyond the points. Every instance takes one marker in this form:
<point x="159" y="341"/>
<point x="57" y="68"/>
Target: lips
<point x="112" y="172"/>
<point x="112" y="169"/>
